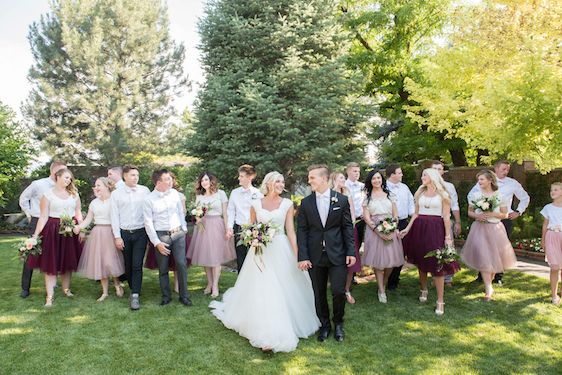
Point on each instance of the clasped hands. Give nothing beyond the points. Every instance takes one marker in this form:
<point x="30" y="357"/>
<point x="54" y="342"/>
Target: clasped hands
<point x="307" y="264"/>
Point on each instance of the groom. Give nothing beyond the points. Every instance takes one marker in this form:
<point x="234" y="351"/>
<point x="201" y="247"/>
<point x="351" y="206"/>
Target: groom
<point x="326" y="249"/>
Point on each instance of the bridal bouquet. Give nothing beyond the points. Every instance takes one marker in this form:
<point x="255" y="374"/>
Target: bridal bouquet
<point x="30" y="246"/>
<point x="66" y="225"/>
<point x="487" y="204"/>
<point x="444" y="256"/>
<point x="257" y="236"/>
<point x="198" y="210"/>
<point x="388" y="225"/>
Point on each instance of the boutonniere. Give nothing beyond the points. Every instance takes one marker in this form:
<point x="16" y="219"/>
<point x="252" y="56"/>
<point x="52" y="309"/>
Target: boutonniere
<point x="334" y="199"/>
<point x="254" y="196"/>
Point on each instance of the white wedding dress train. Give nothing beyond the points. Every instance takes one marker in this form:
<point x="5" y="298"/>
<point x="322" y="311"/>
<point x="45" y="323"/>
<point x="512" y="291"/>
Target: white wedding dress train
<point x="272" y="305"/>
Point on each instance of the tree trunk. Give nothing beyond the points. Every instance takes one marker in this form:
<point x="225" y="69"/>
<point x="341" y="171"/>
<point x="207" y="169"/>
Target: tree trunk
<point x="459" y="158"/>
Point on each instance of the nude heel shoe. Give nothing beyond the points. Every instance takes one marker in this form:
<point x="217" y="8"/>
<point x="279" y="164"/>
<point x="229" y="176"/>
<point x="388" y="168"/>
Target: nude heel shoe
<point x="423" y="296"/>
<point x="440" y="309"/>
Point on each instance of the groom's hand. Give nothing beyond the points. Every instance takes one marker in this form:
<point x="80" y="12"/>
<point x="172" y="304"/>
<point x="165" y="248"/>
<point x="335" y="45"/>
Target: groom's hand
<point x="305" y="265"/>
<point x="350" y="261"/>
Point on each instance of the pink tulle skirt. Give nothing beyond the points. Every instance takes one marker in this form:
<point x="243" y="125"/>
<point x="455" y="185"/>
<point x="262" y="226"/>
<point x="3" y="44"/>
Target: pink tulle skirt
<point x="487" y="248"/>
<point x="553" y="249"/>
<point x="59" y="254"/>
<point x="380" y="254"/>
<point x="100" y="258"/>
<point x="209" y="247"/>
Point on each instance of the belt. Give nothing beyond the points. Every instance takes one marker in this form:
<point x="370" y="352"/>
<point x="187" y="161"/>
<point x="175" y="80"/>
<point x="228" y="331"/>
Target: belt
<point x="170" y="232"/>
<point x="132" y="230"/>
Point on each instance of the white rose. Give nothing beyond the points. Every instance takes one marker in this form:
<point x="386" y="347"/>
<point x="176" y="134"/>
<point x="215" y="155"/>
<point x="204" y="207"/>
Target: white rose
<point x="485" y="205"/>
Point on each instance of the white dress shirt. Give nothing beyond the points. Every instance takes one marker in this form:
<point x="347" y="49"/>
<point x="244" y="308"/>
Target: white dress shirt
<point x="239" y="205"/>
<point x="163" y="211"/>
<point x="357" y="196"/>
<point x="127" y="208"/>
<point x="404" y="199"/>
<point x="453" y="195"/>
<point x="508" y="187"/>
<point x="31" y="196"/>
<point x="323" y="204"/>
<point x="120" y="184"/>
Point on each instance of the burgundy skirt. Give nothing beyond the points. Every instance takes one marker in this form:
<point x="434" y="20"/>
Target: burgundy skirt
<point x="151" y="262"/>
<point x="60" y="254"/>
<point x="427" y="234"/>
<point x="357" y="266"/>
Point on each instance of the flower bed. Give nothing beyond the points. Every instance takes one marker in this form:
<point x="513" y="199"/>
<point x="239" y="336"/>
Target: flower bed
<point x="529" y="248"/>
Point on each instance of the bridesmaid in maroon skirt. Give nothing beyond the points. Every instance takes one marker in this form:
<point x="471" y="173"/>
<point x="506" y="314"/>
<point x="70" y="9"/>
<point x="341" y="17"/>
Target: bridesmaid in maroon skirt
<point x="60" y="252"/>
<point x="337" y="183"/>
<point x="430" y="229"/>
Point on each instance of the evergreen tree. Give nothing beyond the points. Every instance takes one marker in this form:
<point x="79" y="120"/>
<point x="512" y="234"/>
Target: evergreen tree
<point x="277" y="94"/>
<point x="104" y="75"/>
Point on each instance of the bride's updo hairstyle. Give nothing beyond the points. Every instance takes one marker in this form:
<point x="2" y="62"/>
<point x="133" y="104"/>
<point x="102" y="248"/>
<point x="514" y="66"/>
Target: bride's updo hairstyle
<point x="268" y="180"/>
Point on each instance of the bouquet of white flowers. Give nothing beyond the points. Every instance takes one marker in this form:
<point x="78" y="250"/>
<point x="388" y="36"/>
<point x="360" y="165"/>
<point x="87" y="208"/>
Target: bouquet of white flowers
<point x="445" y="255"/>
<point x="198" y="210"/>
<point x="486" y="204"/>
<point x="388" y="225"/>
<point x="66" y="225"/>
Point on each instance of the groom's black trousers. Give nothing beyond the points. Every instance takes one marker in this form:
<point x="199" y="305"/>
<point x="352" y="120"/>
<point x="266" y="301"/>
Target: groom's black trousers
<point x="319" y="274"/>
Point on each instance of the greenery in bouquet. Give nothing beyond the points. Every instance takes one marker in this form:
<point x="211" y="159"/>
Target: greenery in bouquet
<point x="444" y="255"/>
<point x="27" y="247"/>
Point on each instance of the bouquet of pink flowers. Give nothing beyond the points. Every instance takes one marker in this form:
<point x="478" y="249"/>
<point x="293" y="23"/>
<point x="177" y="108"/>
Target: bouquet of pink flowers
<point x="387" y="226"/>
<point x="30" y="246"/>
<point x="444" y="256"/>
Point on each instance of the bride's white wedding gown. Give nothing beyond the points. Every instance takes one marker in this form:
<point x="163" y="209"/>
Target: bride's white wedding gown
<point x="273" y="306"/>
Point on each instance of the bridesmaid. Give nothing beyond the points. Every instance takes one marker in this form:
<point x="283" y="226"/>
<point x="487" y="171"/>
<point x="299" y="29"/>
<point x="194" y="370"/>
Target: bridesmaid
<point x="60" y="254"/>
<point x="210" y="246"/>
<point x="337" y="183"/>
<point x="428" y="230"/>
<point x="551" y="240"/>
<point x="100" y="259"/>
<point x="487" y="248"/>
<point x="383" y="252"/>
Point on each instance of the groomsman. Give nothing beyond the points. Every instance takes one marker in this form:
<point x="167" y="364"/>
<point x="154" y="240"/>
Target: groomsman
<point x="29" y="203"/>
<point x="353" y="171"/>
<point x="115" y="174"/>
<point x="406" y="207"/>
<point x="507" y="187"/>
<point x="456" y="230"/>
<point x="239" y="208"/>
<point x="165" y="225"/>
<point x="127" y="223"/>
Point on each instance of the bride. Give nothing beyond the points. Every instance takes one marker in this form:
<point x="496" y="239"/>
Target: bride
<point x="272" y="302"/>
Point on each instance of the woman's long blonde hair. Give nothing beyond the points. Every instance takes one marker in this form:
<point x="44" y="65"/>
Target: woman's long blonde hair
<point x="71" y="188"/>
<point x="268" y="179"/>
<point x="439" y="184"/>
<point x="332" y="182"/>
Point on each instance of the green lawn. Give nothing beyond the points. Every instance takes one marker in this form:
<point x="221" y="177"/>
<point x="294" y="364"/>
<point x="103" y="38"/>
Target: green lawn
<point x="517" y="333"/>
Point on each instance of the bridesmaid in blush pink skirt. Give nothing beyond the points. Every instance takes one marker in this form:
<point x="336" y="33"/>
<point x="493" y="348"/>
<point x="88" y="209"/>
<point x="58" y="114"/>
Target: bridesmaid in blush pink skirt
<point x="487" y="247"/>
<point x="100" y="259"/>
<point x="552" y="237"/>
<point x="211" y="245"/>
<point x="383" y="251"/>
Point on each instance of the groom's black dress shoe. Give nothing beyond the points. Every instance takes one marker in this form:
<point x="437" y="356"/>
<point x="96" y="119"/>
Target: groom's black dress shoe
<point x="186" y="302"/>
<point x="164" y="302"/>
<point x="324" y="333"/>
<point x="339" y="333"/>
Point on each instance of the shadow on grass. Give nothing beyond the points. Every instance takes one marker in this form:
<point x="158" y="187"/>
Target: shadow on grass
<point x="515" y="333"/>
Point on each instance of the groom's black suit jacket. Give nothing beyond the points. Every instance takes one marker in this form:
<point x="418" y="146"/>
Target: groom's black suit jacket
<point x="337" y="235"/>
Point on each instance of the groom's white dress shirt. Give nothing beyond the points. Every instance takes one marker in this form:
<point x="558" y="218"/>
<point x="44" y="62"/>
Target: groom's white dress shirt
<point x="163" y="211"/>
<point x="323" y="204"/>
